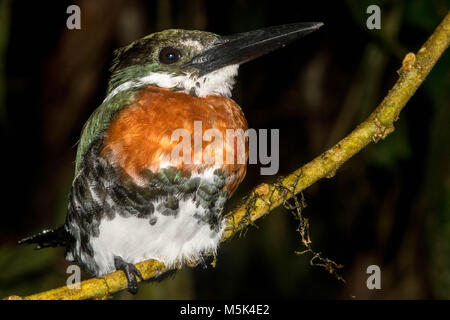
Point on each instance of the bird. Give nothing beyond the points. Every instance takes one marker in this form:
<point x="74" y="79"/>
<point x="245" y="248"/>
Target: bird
<point x="130" y="200"/>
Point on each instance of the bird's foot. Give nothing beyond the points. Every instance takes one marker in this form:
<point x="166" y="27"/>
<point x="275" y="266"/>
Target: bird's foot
<point x="130" y="271"/>
<point x="192" y="263"/>
<point x="189" y="263"/>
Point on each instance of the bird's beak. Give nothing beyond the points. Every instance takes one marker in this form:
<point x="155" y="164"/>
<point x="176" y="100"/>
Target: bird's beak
<point x="246" y="46"/>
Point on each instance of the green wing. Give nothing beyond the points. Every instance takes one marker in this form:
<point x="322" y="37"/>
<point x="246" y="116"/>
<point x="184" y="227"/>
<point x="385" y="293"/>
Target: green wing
<point x="100" y="120"/>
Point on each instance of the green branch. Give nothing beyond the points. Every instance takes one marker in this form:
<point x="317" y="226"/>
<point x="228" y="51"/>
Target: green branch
<point x="266" y="197"/>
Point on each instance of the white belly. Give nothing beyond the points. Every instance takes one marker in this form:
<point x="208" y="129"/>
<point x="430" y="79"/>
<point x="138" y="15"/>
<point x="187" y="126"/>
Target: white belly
<point x="172" y="240"/>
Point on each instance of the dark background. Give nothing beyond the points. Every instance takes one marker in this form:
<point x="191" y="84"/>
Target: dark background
<point x="389" y="205"/>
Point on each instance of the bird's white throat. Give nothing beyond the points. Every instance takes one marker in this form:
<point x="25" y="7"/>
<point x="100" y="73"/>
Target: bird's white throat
<point x="219" y="82"/>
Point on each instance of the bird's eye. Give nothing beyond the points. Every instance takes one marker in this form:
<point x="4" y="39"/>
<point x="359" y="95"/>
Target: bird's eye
<point x="169" y="55"/>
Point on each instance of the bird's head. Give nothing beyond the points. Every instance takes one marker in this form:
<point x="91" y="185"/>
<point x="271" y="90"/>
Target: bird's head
<point x="196" y="62"/>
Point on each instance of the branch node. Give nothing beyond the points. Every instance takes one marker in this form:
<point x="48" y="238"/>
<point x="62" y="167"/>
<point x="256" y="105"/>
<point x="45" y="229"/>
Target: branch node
<point x="408" y="61"/>
<point x="382" y="130"/>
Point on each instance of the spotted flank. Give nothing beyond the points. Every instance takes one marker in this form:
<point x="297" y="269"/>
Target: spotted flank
<point x="174" y="217"/>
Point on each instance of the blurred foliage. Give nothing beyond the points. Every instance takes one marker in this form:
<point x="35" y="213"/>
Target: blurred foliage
<point x="388" y="206"/>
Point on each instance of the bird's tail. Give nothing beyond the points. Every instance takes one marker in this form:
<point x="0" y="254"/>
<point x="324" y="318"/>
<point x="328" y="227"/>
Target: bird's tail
<point x="50" y="238"/>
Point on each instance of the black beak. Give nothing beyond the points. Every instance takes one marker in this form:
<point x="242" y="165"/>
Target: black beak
<point x="246" y="46"/>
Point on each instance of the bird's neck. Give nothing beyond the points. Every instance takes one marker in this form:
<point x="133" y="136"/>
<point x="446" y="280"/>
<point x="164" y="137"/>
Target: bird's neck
<point x="219" y="82"/>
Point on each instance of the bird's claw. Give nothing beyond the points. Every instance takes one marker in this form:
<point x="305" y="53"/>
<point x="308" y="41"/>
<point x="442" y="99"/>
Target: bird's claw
<point x="130" y="271"/>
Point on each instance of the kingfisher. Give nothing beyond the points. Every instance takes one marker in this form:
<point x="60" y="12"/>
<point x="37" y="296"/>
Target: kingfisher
<point x="130" y="199"/>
